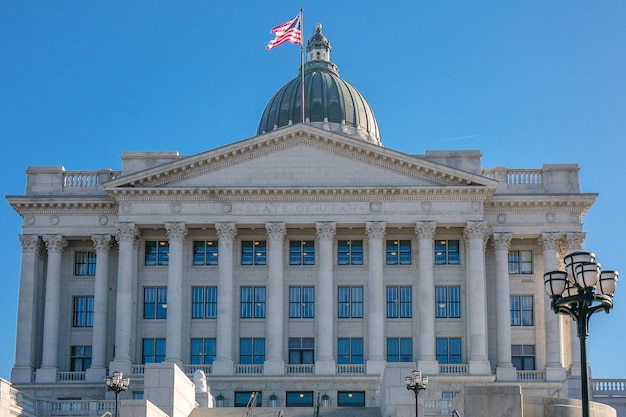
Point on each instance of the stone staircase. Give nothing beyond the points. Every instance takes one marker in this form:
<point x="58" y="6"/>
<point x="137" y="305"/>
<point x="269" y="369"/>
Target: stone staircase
<point x="287" y="412"/>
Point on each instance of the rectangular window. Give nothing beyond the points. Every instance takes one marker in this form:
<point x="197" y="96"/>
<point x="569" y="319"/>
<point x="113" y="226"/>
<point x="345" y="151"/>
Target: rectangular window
<point x="205" y="252"/>
<point x="398" y="302"/>
<point x="302" y="252"/>
<point x="85" y="264"/>
<point x="448" y="349"/>
<point x="301" y="302"/>
<point x="299" y="399"/>
<point x="523" y="357"/>
<point x="83" y="312"/>
<point x="350" y="302"/>
<point x="243" y="398"/>
<point x="80" y="358"/>
<point x="202" y="351"/>
<point x="522" y="310"/>
<point x="349" y="350"/>
<point x="350" y="399"/>
<point x="350" y="252"/>
<point x="203" y="302"/>
<point x="448" y="302"/>
<point x="447" y="252"/>
<point x="157" y="253"/>
<point x="251" y="351"/>
<point x="520" y="262"/>
<point x="155" y="302"/>
<point x="153" y="351"/>
<point x="252" y="302"/>
<point x="301" y="350"/>
<point x="399" y="349"/>
<point x="398" y="252"/>
<point x="253" y="252"/>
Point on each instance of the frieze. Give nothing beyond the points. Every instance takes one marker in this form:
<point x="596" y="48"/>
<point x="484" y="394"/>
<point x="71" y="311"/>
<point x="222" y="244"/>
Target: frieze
<point x="295" y="209"/>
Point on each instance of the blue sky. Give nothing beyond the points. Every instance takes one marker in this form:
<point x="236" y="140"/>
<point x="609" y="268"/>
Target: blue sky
<point x="526" y="82"/>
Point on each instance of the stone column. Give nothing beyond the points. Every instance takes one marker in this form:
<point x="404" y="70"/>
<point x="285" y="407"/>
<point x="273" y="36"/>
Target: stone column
<point x="274" y="330"/>
<point x="48" y="371"/>
<point x="553" y="331"/>
<point x="223" y="364"/>
<point x="427" y="359"/>
<point x="126" y="235"/>
<point x="375" y="307"/>
<point x="97" y="370"/>
<point x="575" y="243"/>
<point x="26" y="338"/>
<point x="176" y="233"/>
<point x="474" y="234"/>
<point x="325" y="362"/>
<point x="504" y="368"/>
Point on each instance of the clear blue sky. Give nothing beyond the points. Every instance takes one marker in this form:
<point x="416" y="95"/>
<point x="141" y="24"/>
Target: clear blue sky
<point x="526" y="82"/>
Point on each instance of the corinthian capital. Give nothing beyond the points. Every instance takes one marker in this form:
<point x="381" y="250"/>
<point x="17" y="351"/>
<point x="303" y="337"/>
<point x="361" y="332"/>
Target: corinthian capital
<point x="176" y="231"/>
<point x="127" y="231"/>
<point x="375" y="230"/>
<point x="276" y="231"/>
<point x="575" y="241"/>
<point x="475" y="230"/>
<point x="30" y="243"/>
<point x="325" y="230"/>
<point x="550" y="241"/>
<point x="501" y="241"/>
<point x="101" y="242"/>
<point x="226" y="231"/>
<point x="54" y="243"/>
<point x="425" y="230"/>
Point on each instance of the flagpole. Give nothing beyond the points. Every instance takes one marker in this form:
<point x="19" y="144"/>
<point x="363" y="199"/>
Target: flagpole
<point x="302" y="60"/>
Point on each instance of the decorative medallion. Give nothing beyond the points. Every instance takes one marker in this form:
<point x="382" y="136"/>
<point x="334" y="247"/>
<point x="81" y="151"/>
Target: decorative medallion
<point x="477" y="206"/>
<point x="103" y="220"/>
<point x="574" y="218"/>
<point x="30" y="220"/>
<point x="176" y="207"/>
<point x="427" y="206"/>
<point x="227" y="208"/>
<point x="125" y="208"/>
<point x="54" y="220"/>
<point x="376" y="207"/>
<point x="501" y="218"/>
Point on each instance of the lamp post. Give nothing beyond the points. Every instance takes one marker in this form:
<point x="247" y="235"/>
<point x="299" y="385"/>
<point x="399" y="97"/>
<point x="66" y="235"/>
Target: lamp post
<point x="580" y="291"/>
<point x="117" y="383"/>
<point x="416" y="382"/>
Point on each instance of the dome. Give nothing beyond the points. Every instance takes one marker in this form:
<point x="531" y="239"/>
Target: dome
<point x="331" y="103"/>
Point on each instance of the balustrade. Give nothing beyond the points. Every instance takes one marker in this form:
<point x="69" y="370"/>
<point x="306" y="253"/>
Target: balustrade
<point x="453" y="369"/>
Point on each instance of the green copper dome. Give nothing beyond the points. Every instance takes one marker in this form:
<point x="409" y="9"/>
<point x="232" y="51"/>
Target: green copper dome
<point x="331" y="103"/>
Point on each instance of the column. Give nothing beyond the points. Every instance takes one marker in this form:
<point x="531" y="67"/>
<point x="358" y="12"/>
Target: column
<point x="575" y="242"/>
<point x="97" y="370"/>
<point x="504" y="368"/>
<point x="223" y="364"/>
<point x="48" y="371"/>
<point x="427" y="359"/>
<point x="26" y="339"/>
<point x="375" y="298"/>
<point x="176" y="233"/>
<point x="554" y="365"/>
<point x="274" y="361"/>
<point x="325" y="362"/>
<point x="127" y="233"/>
<point x="475" y="232"/>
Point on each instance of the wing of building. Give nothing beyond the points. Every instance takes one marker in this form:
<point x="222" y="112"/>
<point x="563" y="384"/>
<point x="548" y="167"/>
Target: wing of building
<point x="306" y="263"/>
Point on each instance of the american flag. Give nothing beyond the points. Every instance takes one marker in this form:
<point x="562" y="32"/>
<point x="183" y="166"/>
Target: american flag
<point x="289" y="31"/>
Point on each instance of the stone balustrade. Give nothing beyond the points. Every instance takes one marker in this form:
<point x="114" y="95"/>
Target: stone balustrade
<point x="55" y="180"/>
<point x="609" y="387"/>
<point x="550" y="178"/>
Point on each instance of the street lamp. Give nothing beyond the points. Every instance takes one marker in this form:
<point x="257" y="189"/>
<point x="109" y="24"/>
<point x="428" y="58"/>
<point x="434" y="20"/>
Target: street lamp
<point x="416" y="382"/>
<point x="579" y="291"/>
<point x="117" y="383"/>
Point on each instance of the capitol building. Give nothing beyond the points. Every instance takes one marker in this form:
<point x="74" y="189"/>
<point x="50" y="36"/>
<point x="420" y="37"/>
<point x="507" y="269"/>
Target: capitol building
<point x="306" y="268"/>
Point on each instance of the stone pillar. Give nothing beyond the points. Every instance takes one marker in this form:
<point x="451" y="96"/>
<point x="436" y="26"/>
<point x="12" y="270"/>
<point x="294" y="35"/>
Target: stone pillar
<point x="427" y="359"/>
<point x="504" y="368"/>
<point x="126" y="235"/>
<point x="48" y="371"/>
<point x="325" y="362"/>
<point x="376" y="298"/>
<point x="176" y="233"/>
<point x="274" y="330"/>
<point x="554" y="365"/>
<point x="97" y="370"/>
<point x="475" y="232"/>
<point x="575" y="243"/>
<point x="26" y="339"/>
<point x="223" y="364"/>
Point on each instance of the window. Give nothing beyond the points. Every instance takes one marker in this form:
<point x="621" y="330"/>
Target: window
<point x="157" y="253"/>
<point x="242" y="398"/>
<point x="301" y="302"/>
<point x="398" y="302"/>
<point x="202" y="351"/>
<point x="399" y="349"/>
<point x="447" y="252"/>
<point x="153" y="351"/>
<point x="448" y="350"/>
<point x="253" y="252"/>
<point x="205" y="252"/>
<point x="351" y="399"/>
<point x="299" y="399"/>
<point x="522" y="310"/>
<point x="252" y="302"/>
<point x="83" y="312"/>
<point x="203" y="302"/>
<point x="251" y="351"/>
<point x="523" y="357"/>
<point x="155" y="302"/>
<point x="301" y="350"/>
<point x="398" y="252"/>
<point x="350" y="252"/>
<point x="137" y="395"/>
<point x="349" y="350"/>
<point x="85" y="264"/>
<point x="448" y="302"/>
<point x="80" y="358"/>
<point x="302" y="252"/>
<point x="520" y="262"/>
<point x="350" y="302"/>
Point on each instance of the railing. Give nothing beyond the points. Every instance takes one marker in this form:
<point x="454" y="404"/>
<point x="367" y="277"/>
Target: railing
<point x="250" y="369"/>
<point x="71" y="376"/>
<point x="137" y="369"/>
<point x="453" y="369"/>
<point x="351" y="369"/>
<point x="86" y="180"/>
<point x="531" y="376"/>
<point x="524" y="177"/>
<point x="442" y="407"/>
<point x="608" y="387"/>
<point x="78" y="407"/>
<point x="189" y="370"/>
<point x="299" y="369"/>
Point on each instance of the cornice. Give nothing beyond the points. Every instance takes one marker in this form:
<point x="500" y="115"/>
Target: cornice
<point x="537" y="205"/>
<point x="62" y="205"/>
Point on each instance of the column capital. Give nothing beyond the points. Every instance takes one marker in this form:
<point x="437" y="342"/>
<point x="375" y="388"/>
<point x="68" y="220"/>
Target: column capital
<point x="375" y="230"/>
<point x="276" y="231"/>
<point x="475" y="230"/>
<point x="127" y="232"/>
<point x="325" y="230"/>
<point x="575" y="241"/>
<point x="30" y="243"/>
<point x="425" y="230"/>
<point x="226" y="231"/>
<point x="501" y="241"/>
<point x="176" y="231"/>
<point x="101" y="242"/>
<point x="54" y="243"/>
<point x="550" y="241"/>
